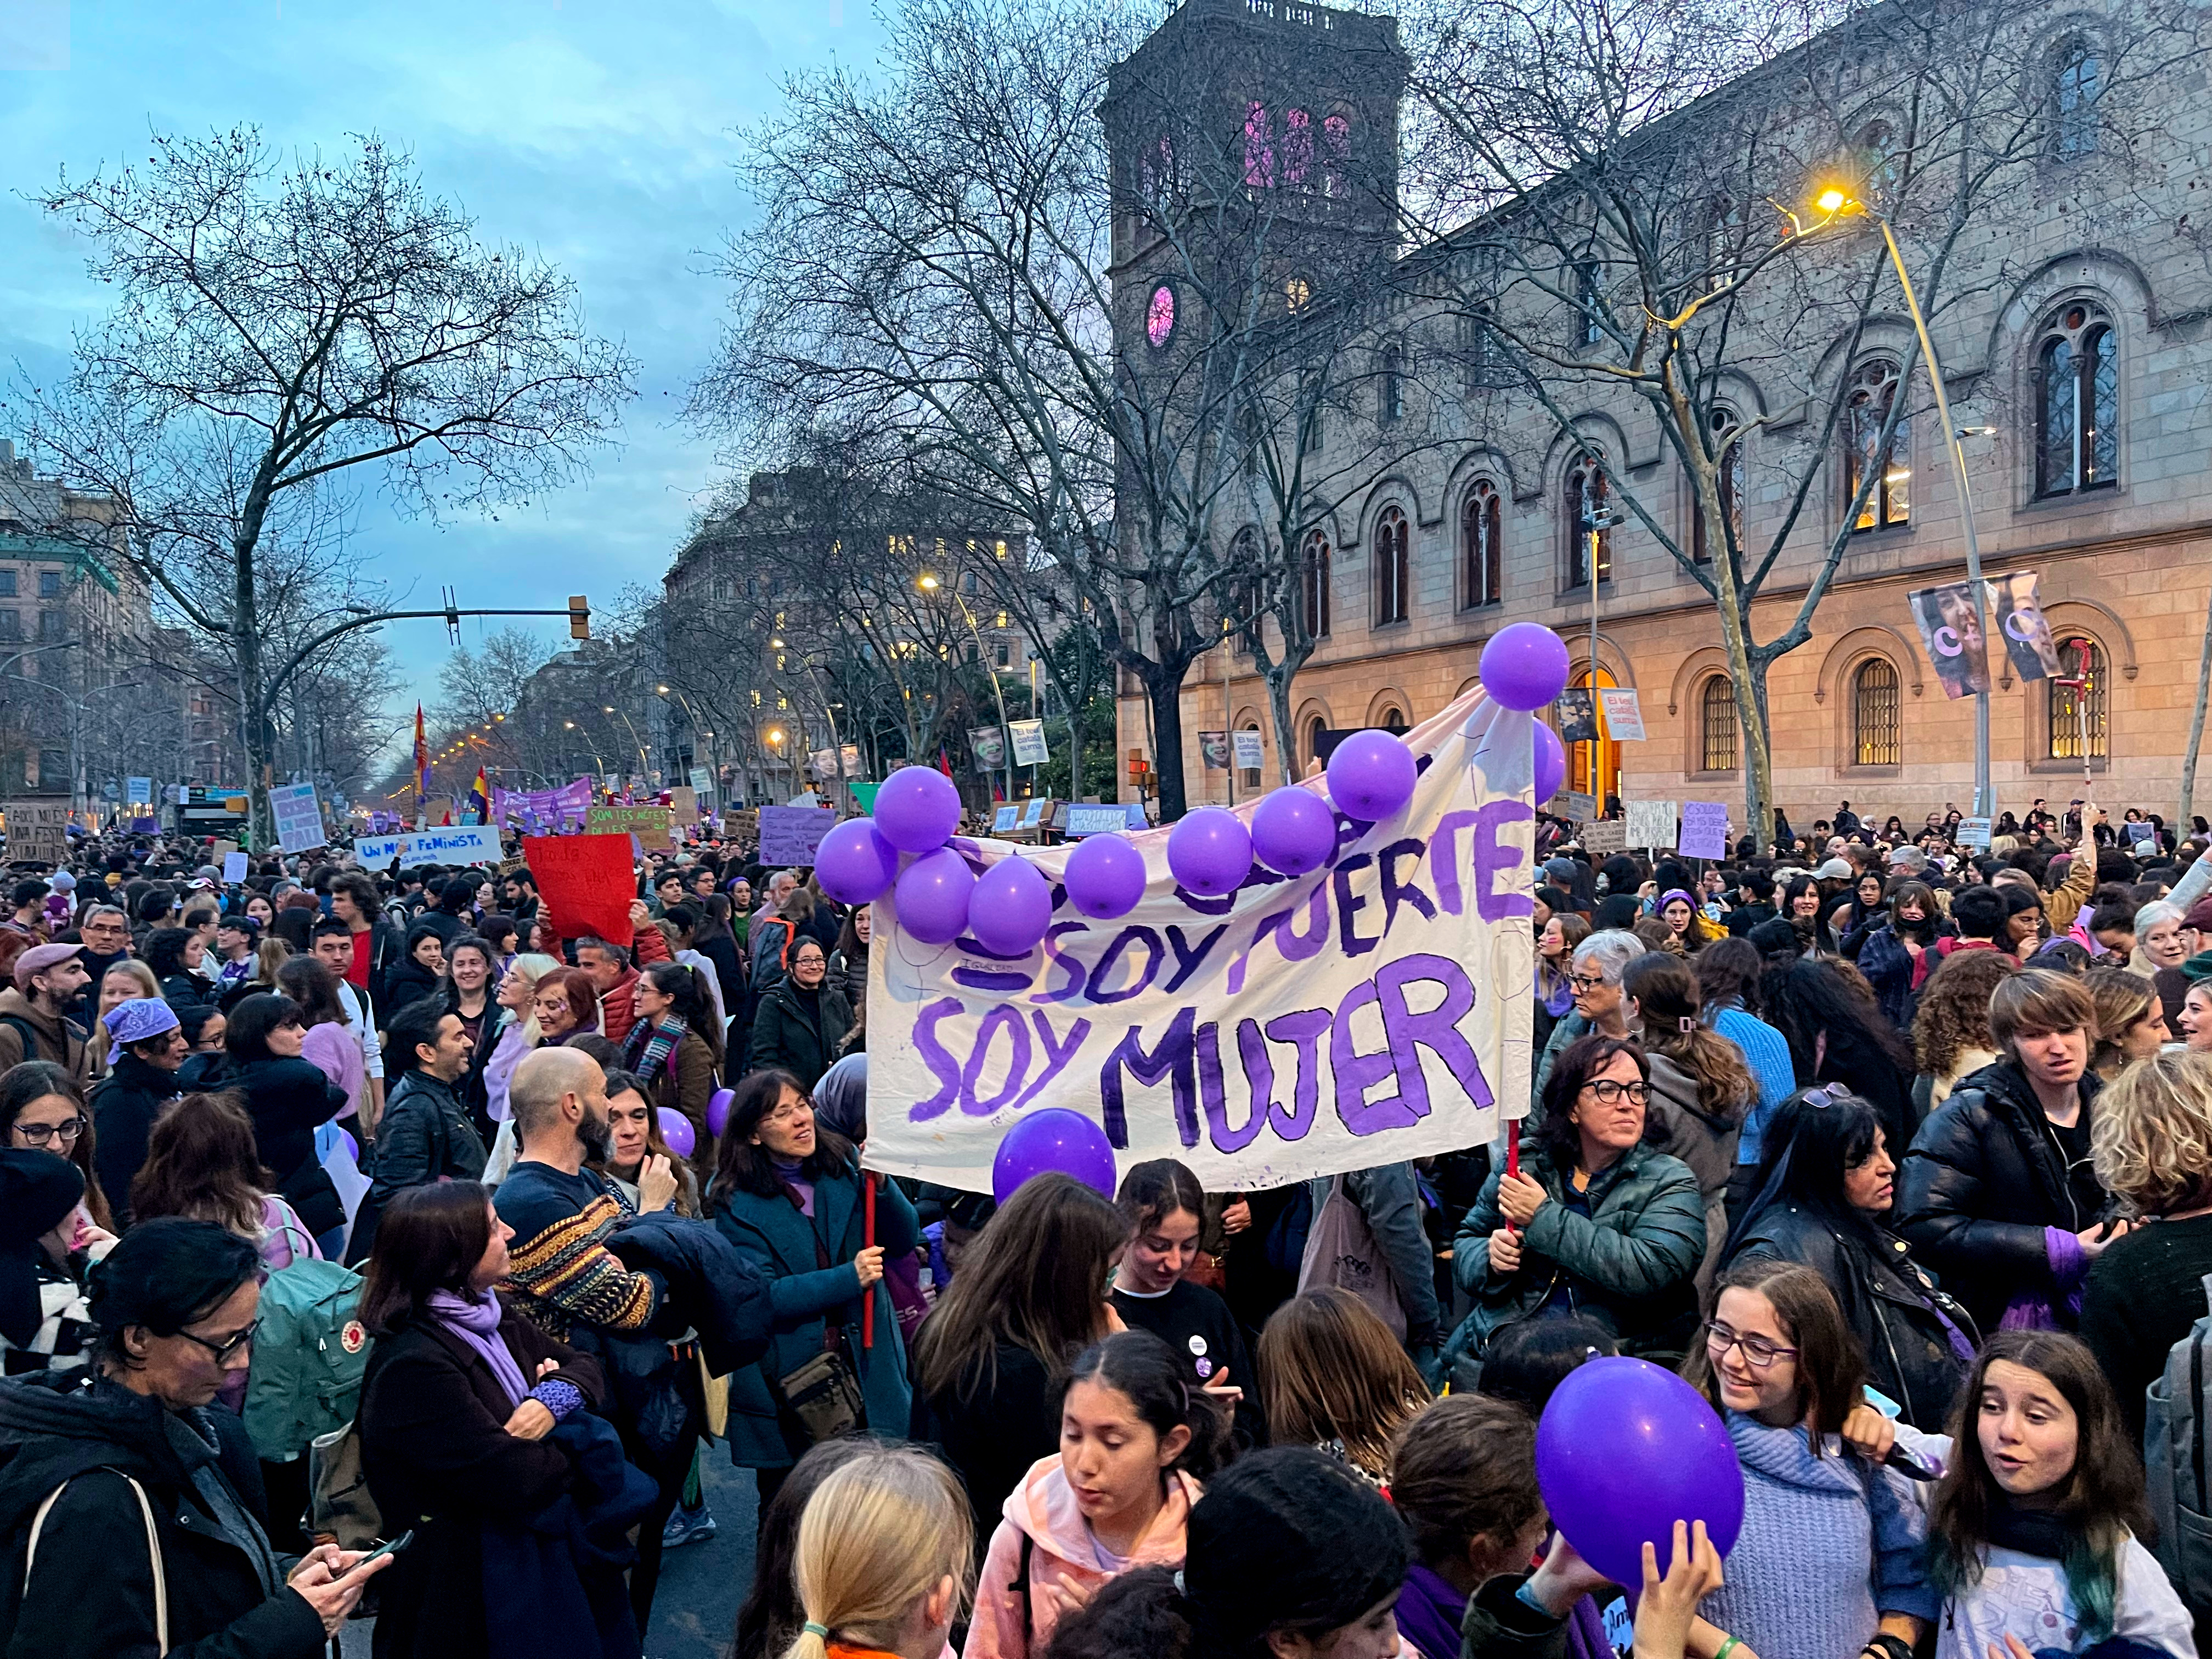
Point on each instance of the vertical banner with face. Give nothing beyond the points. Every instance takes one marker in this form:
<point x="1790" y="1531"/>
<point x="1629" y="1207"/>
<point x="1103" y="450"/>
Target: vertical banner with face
<point x="1373" y="1010"/>
<point x="1951" y="634"/>
<point x="2016" y="610"/>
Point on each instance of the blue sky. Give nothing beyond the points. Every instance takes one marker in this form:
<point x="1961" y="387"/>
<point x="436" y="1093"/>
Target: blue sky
<point x="603" y="135"/>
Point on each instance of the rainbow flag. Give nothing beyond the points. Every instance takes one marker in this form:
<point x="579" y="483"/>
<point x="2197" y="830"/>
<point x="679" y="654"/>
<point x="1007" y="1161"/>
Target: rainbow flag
<point x="480" y="797"/>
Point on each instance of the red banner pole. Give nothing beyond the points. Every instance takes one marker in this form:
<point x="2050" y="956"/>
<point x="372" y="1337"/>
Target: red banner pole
<point x="868" y="1237"/>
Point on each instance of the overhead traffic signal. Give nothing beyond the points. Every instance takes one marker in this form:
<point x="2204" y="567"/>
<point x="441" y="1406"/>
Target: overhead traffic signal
<point x="579" y="617"/>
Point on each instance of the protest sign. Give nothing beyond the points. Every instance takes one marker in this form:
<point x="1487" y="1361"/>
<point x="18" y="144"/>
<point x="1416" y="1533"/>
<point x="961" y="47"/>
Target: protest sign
<point x="988" y="745"/>
<point x="1624" y="717"/>
<point x="1573" y="804"/>
<point x="299" y="817"/>
<point x="1971" y="832"/>
<point x="37" y="830"/>
<point x="1213" y="750"/>
<point x="1652" y="823"/>
<point x="586" y="883"/>
<point x="1030" y="748"/>
<point x="1005" y="817"/>
<point x="138" y="792"/>
<point x="234" y="868"/>
<point x="1365" y="1014"/>
<point x="701" y="781"/>
<point x="648" y="824"/>
<point x="1034" y="814"/>
<point x="791" y="835"/>
<point x="1704" y="830"/>
<point x="468" y="843"/>
<point x="864" y="795"/>
<point x="1951" y="634"/>
<point x="683" y="801"/>
<point x="1251" y="751"/>
<point x="1090" y="818"/>
<point x="1604" y="837"/>
<point x="541" y="811"/>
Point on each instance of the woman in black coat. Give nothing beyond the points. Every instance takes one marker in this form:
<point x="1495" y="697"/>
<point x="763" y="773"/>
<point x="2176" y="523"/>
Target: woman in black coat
<point x="798" y="1025"/>
<point x="1823" y="1201"/>
<point x="445" y="1441"/>
<point x="420" y="973"/>
<point x="288" y="1098"/>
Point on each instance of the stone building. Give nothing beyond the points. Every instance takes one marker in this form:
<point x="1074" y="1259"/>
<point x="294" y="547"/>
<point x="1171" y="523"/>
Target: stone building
<point x="2076" y="344"/>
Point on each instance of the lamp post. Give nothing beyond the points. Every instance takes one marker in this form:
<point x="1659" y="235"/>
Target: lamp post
<point x="929" y="584"/>
<point x="1840" y="204"/>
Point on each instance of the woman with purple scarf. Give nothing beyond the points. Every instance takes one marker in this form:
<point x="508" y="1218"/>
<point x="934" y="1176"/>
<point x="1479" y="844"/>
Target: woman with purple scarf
<point x="457" y="1406"/>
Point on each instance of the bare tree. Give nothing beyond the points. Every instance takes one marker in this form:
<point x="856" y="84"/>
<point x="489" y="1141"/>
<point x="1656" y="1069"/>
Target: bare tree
<point x="279" y="324"/>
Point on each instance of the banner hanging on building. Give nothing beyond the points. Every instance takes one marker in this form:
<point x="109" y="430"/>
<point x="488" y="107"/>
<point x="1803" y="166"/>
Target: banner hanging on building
<point x="1374" y="1011"/>
<point x="1251" y="751"/>
<point x="1213" y="750"/>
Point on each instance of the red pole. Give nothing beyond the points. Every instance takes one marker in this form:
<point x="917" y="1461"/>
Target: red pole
<point x="868" y="1238"/>
<point x="1513" y="1153"/>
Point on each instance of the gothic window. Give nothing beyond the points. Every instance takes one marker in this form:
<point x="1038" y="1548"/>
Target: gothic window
<point x="2067" y="704"/>
<point x="1336" y="155"/>
<point x="2076" y="83"/>
<point x="2077" y="374"/>
<point x="1313" y="567"/>
<point x="1391" y="398"/>
<point x="1589" y="327"/>
<point x="1482" y="555"/>
<point x="1874" y="389"/>
<point x="1875" y="714"/>
<point x="1259" y="147"/>
<point x="1480" y="357"/>
<point x="1393" y="566"/>
<point x="1717" y="725"/>
<point x="1298" y="147"/>
<point x="1298" y="294"/>
<point x="1314" y="728"/>
<point x="1729" y="447"/>
<point x="1881" y="169"/>
<point x="1585" y="498"/>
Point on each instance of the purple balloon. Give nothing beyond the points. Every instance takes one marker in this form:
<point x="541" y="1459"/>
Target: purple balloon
<point x="718" y="1110"/>
<point x="854" y="863"/>
<point x="676" y="1130"/>
<point x="1371" y="776"/>
<point x="1011" y="908"/>
<point x="1551" y="762"/>
<point x="352" y="1146"/>
<point x="1210" y="852"/>
<point x="1293" y="830"/>
<point x="917" y="809"/>
<point x="933" y="896"/>
<point x="1624" y="1450"/>
<point x="1105" y="876"/>
<point x="1052" y="1139"/>
<point x="1524" y="666"/>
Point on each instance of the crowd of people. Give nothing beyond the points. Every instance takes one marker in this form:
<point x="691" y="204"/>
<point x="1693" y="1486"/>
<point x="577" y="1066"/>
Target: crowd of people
<point x="1899" y="1153"/>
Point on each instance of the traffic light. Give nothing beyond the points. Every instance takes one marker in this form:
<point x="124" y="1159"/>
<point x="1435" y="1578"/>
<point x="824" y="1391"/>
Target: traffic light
<point x="579" y="617"/>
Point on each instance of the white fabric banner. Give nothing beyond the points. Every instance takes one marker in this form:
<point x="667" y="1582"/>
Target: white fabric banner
<point x="1371" y="1012"/>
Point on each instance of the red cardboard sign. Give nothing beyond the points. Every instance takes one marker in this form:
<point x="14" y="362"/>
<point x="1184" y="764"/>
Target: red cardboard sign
<point x="586" y="883"/>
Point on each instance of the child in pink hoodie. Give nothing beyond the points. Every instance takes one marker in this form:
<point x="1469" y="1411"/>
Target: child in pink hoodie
<point x="1133" y="1438"/>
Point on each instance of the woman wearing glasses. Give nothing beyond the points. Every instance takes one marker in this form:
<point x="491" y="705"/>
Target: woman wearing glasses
<point x="1830" y="1559"/>
<point x="788" y="1193"/>
<point x="41" y="1111"/>
<point x="1596" y="1222"/>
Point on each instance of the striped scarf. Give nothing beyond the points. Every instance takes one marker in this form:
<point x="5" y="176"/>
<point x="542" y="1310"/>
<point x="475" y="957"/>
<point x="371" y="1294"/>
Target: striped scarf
<point x="649" y="1048"/>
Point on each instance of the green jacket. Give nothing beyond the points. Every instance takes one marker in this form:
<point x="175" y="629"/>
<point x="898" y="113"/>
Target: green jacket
<point x="1630" y="1261"/>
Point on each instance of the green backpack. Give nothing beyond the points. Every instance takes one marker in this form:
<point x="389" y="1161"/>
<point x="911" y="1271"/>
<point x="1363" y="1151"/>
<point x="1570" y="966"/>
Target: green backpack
<point x="309" y="1358"/>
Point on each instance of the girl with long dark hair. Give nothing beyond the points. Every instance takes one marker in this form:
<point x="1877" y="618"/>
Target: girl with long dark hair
<point x="1700" y="1086"/>
<point x="1896" y="951"/>
<point x="1837" y="1034"/>
<point x="674" y="1049"/>
<point x="43" y="1109"/>
<point x="1165" y="1208"/>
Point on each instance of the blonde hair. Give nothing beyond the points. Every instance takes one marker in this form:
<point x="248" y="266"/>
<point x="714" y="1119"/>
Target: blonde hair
<point x="534" y="965"/>
<point x="2151" y="1135"/>
<point x="2123" y="1000"/>
<point x="880" y="1533"/>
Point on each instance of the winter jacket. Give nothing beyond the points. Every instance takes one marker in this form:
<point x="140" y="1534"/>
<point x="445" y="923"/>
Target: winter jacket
<point x="991" y="1434"/>
<point x="1631" y="1261"/>
<point x="617" y="1008"/>
<point x="57" y="1037"/>
<point x="1498" y="1625"/>
<point x="1828" y="1546"/>
<point x="1985" y="1197"/>
<point x="2065" y="902"/>
<point x="424" y="1136"/>
<point x="1683" y="1129"/>
<point x="708" y="1288"/>
<point x="807" y="1296"/>
<point x="1044" y="1532"/>
<point x="123" y="1108"/>
<point x="289" y="1100"/>
<point x="721" y="949"/>
<point x="768" y="954"/>
<point x="407" y="980"/>
<point x="436" y="1449"/>
<point x="849" y="974"/>
<point x="1905" y="1325"/>
<point x="90" y="1594"/>
<point x="1894" y="973"/>
<point x="788" y="1035"/>
<point x="685" y="1083"/>
<point x="1390" y="1197"/>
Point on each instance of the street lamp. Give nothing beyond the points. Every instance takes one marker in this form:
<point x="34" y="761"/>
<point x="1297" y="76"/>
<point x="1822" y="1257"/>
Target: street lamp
<point x="1839" y="203"/>
<point x="929" y="584"/>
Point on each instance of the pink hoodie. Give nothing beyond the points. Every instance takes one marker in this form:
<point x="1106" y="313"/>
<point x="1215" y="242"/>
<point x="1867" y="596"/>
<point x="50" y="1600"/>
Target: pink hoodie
<point x="1008" y="1624"/>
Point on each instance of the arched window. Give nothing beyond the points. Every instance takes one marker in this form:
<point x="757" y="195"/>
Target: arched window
<point x="1298" y="147"/>
<point x="2068" y="705"/>
<point x="2077" y="80"/>
<point x="1393" y="566"/>
<point x="1585" y="498"/>
<point x="1874" y="713"/>
<point x="1482" y="559"/>
<point x="1314" y="562"/>
<point x="1392" y="719"/>
<point x="1729" y="447"/>
<point x="1717" y="725"/>
<point x="1390" y="399"/>
<point x="1336" y="154"/>
<point x="1259" y="147"/>
<point x="1314" y="728"/>
<point x="1874" y="388"/>
<point x="1881" y="169"/>
<point x="2077" y="402"/>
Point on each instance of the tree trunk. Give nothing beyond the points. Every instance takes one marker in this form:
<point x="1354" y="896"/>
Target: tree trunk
<point x="2181" y="816"/>
<point x="1163" y="691"/>
<point x="1278" y="706"/>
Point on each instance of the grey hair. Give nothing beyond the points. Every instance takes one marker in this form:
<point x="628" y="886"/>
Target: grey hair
<point x="2156" y="911"/>
<point x="99" y="910"/>
<point x="1609" y="952"/>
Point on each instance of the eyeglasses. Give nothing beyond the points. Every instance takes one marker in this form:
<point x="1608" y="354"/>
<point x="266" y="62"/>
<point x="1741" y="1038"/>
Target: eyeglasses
<point x="37" y="1134"/>
<point x="1758" y="1351"/>
<point x="223" y="1350"/>
<point x="797" y="1112"/>
<point x="1610" y="1093"/>
<point x="1586" y="981"/>
<point x="1827" y="1095"/>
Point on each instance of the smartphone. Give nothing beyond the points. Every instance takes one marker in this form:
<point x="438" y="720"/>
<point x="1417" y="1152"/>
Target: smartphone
<point x="382" y="1550"/>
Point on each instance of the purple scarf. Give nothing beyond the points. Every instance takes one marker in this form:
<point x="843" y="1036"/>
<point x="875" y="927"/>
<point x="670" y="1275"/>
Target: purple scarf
<point x="475" y="1320"/>
<point x="1430" y="1614"/>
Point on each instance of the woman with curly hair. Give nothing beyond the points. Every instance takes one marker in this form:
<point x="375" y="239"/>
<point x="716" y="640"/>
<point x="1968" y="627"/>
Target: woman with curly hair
<point x="2152" y="1143"/>
<point x="1951" y="1031"/>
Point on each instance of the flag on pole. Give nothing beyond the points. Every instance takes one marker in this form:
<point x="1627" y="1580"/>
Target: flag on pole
<point x="422" y="764"/>
<point x="944" y="761"/>
<point x="446" y="815"/>
<point x="480" y="797"/>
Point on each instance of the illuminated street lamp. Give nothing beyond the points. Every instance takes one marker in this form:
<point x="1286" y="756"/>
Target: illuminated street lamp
<point x="929" y="584"/>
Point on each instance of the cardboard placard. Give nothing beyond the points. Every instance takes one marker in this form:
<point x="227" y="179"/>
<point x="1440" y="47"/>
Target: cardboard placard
<point x="299" y="817"/>
<point x="1652" y="823"/>
<point x="586" y="883"/>
<point x="792" y="835"/>
<point x="1604" y="837"/>
<point x="648" y="824"/>
<point x="1094" y="820"/>
<point x="1006" y="818"/>
<point x="1034" y="814"/>
<point x="1704" y="830"/>
<point x="234" y="868"/>
<point x="37" y="830"/>
<point x="1971" y="832"/>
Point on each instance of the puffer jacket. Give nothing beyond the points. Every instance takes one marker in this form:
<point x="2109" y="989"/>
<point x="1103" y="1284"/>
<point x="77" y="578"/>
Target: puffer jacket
<point x="1889" y="1303"/>
<point x="1895" y="976"/>
<point x="1630" y="1261"/>
<point x="1043" y="1542"/>
<point x="1985" y="1197"/>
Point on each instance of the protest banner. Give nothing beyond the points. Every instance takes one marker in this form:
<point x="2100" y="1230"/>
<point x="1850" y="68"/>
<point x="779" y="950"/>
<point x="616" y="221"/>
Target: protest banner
<point x="1034" y="814"/>
<point x="791" y="835"/>
<point x="1006" y="818"/>
<point x="138" y="792"/>
<point x="1951" y="634"/>
<point x="1704" y="830"/>
<point x="299" y="817"/>
<point x="648" y="824"/>
<point x="1652" y="823"/>
<point x="1624" y="716"/>
<point x="1577" y="721"/>
<point x="586" y="883"/>
<point x="1251" y="751"/>
<point x="1370" y="1011"/>
<point x="37" y="830"/>
<point x="2015" y="609"/>
<point x="541" y="811"/>
<point x="466" y="844"/>
<point x="1030" y="748"/>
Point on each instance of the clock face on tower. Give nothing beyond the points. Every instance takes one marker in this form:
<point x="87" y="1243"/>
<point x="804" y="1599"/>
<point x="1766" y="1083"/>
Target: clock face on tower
<point x="1160" y="315"/>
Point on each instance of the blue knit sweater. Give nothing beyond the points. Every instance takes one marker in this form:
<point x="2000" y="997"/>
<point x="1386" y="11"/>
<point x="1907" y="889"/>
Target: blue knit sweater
<point x="1828" y="1546"/>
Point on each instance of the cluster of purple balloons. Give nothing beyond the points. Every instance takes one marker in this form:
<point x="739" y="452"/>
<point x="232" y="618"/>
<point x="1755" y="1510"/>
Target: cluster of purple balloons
<point x="1524" y="667"/>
